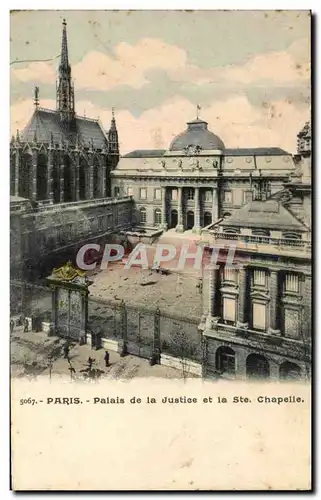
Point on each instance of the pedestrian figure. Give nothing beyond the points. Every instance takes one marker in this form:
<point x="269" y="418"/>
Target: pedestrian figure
<point x="11" y="325"/>
<point x="106" y="358"/>
<point x="66" y="351"/>
<point x="90" y="362"/>
<point x="26" y="326"/>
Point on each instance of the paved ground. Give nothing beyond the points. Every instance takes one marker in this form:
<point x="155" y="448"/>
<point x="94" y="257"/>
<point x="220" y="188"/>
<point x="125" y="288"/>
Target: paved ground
<point x="30" y="357"/>
<point x="177" y="294"/>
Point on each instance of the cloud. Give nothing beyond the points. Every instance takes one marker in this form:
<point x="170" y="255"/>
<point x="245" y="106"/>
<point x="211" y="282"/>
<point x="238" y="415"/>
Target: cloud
<point x="235" y="120"/>
<point x="36" y="72"/>
<point x="131" y="65"/>
<point x="277" y="68"/>
<point x="21" y="112"/>
<point x="98" y="71"/>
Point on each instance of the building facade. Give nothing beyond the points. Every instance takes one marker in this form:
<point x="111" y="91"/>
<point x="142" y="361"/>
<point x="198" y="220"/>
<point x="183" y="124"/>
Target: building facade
<point x="197" y="180"/>
<point x="60" y="156"/>
<point x="257" y="318"/>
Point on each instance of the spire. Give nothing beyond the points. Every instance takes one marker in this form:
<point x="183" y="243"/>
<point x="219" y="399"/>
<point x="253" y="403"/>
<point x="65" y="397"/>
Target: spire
<point x="113" y="135"/>
<point x="64" y="62"/>
<point x="65" y="89"/>
<point x="113" y="121"/>
<point x="36" y="99"/>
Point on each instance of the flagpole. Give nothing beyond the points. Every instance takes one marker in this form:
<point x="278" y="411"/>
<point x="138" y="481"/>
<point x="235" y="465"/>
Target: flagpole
<point x="198" y="108"/>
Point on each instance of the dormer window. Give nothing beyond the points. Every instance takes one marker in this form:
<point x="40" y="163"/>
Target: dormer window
<point x="288" y="235"/>
<point x="261" y="232"/>
<point x="231" y="230"/>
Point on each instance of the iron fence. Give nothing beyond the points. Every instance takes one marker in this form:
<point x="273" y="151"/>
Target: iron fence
<point x="144" y="330"/>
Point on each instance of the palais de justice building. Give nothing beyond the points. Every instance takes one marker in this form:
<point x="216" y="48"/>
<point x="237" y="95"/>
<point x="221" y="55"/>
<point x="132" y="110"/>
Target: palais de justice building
<point x="197" y="180"/>
<point x="256" y="319"/>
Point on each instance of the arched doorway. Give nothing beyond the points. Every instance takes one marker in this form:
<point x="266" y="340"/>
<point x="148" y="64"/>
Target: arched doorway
<point x="257" y="367"/>
<point x="290" y="371"/>
<point x="207" y="219"/>
<point x="82" y="179"/>
<point x="190" y="219"/>
<point x="42" y="177"/>
<point x="225" y="360"/>
<point x="174" y="219"/>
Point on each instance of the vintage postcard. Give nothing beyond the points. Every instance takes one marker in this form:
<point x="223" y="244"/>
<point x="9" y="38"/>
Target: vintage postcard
<point x="160" y="264"/>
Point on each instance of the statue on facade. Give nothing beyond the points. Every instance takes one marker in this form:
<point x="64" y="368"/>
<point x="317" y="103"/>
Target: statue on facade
<point x="192" y="149"/>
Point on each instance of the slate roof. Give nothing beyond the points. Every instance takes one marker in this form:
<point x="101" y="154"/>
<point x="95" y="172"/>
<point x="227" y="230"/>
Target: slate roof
<point x="255" y="152"/>
<point x="145" y="153"/>
<point x="269" y="214"/>
<point x="152" y="153"/>
<point x="47" y="121"/>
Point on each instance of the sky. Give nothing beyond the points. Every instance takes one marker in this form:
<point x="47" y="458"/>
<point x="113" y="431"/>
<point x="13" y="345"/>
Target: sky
<point x="249" y="71"/>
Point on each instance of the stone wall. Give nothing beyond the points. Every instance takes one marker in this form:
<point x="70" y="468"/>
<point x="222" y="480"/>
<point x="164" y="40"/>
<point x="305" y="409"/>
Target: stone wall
<point x="44" y="237"/>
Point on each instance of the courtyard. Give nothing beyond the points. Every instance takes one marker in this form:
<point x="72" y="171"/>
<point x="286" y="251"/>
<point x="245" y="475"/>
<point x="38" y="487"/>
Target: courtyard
<point x="174" y="293"/>
<point x="35" y="354"/>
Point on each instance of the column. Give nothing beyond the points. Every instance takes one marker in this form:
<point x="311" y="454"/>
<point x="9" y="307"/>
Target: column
<point x="77" y="167"/>
<point x="214" y="205"/>
<point x="197" y="218"/>
<point x="72" y="166"/>
<point x="180" y="225"/>
<point x="34" y="174"/>
<point x="204" y="347"/>
<point x="306" y="316"/>
<point x="274" y="369"/>
<point x="16" y="172"/>
<point x="49" y="195"/>
<point x="164" y="221"/>
<point x="62" y="182"/>
<point x="103" y="179"/>
<point x="212" y="319"/>
<point x="91" y="177"/>
<point x="86" y="178"/>
<point x="242" y="319"/>
<point x="273" y="285"/>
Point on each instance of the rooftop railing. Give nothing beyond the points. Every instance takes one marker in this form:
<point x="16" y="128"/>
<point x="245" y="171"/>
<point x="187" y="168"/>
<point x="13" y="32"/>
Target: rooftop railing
<point x="264" y="240"/>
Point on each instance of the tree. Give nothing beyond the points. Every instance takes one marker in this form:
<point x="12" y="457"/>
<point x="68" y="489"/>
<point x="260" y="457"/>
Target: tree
<point x="183" y="348"/>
